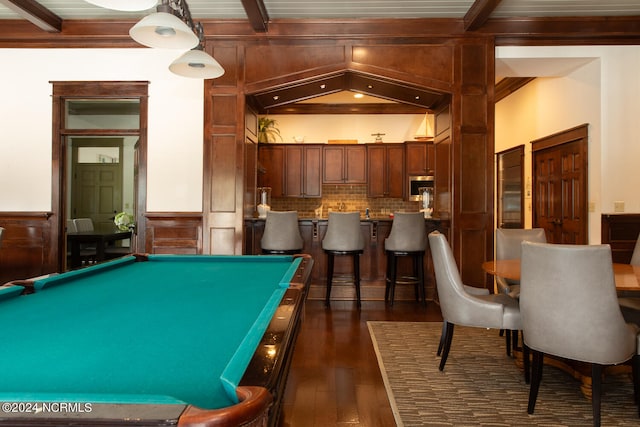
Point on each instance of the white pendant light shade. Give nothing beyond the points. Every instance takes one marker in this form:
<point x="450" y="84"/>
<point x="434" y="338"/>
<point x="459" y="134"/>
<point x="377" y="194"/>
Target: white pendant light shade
<point x="197" y="64"/>
<point x="164" y="30"/>
<point x="125" y="5"/>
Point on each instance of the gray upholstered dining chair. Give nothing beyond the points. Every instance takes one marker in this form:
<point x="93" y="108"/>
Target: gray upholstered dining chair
<point x="508" y="246"/>
<point x="281" y="233"/>
<point x="343" y="237"/>
<point x="496" y="311"/>
<point x="408" y="238"/>
<point x="570" y="309"/>
<point x="83" y="224"/>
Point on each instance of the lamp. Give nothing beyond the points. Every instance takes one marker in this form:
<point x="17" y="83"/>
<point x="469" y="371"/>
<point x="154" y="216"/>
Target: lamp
<point x="196" y="64"/>
<point x="124" y="5"/>
<point x="164" y="29"/>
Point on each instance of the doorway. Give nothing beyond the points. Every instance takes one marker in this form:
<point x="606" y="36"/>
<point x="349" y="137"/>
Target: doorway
<point x="560" y="182"/>
<point x="99" y="155"/>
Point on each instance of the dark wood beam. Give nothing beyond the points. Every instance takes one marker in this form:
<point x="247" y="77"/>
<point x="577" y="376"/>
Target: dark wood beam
<point x="478" y="13"/>
<point x="311" y="108"/>
<point x="257" y="14"/>
<point x="36" y="13"/>
<point x="508" y="85"/>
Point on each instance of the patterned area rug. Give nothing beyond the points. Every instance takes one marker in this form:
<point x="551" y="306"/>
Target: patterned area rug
<point x="481" y="385"/>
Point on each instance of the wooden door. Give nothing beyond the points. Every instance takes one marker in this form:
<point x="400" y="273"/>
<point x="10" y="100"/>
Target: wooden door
<point x="375" y="171"/>
<point x="560" y="183"/>
<point x="312" y="171"/>
<point x="416" y="158"/>
<point x="96" y="191"/>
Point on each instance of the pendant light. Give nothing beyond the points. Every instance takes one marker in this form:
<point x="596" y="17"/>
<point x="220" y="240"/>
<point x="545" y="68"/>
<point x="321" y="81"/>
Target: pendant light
<point x="196" y="64"/>
<point x="125" y="5"/>
<point x="165" y="30"/>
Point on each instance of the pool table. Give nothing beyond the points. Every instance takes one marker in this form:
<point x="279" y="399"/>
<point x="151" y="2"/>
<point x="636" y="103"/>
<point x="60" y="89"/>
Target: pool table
<point x="152" y="340"/>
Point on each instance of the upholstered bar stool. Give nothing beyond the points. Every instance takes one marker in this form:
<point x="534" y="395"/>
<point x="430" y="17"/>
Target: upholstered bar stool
<point x="408" y="238"/>
<point x="343" y="237"/>
<point x="281" y="233"/>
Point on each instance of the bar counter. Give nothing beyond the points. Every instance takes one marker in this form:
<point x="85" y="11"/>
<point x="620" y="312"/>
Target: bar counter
<point x="373" y="261"/>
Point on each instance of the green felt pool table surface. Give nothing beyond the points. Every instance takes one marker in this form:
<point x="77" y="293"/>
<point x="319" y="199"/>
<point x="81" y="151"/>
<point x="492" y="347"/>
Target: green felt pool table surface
<point x="168" y="330"/>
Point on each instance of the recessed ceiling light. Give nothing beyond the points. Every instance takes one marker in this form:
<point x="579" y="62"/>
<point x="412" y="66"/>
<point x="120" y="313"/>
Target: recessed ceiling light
<point x="370" y="86"/>
<point x="358" y="95"/>
<point x="323" y="86"/>
<point x="275" y="98"/>
<point x="417" y="96"/>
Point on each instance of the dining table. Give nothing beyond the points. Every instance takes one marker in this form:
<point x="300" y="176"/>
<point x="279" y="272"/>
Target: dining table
<point x="626" y="276"/>
<point x="99" y="238"/>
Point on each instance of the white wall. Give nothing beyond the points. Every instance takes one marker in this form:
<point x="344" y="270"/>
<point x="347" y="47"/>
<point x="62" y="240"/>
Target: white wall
<point x="320" y="128"/>
<point x="603" y="93"/>
<point x="175" y="126"/>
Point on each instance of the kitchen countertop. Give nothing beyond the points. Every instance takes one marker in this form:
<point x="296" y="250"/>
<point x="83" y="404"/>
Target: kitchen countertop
<point x="362" y="218"/>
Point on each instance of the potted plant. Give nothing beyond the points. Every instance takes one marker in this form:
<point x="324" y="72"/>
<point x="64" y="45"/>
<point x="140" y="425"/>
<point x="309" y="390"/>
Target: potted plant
<point x="267" y="130"/>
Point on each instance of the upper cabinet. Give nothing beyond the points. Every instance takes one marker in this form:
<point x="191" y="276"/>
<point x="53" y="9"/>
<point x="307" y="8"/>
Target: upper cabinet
<point x="344" y="164"/>
<point x="385" y="167"/>
<point x="420" y="157"/>
<point x="271" y="168"/>
<point x="303" y="170"/>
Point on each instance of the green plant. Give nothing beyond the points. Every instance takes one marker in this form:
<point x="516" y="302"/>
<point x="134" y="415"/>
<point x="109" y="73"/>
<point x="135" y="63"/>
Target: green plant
<point x="267" y="130"/>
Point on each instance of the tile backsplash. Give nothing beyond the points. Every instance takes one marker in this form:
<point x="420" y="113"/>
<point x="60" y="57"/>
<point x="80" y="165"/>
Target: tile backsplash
<point x="348" y="197"/>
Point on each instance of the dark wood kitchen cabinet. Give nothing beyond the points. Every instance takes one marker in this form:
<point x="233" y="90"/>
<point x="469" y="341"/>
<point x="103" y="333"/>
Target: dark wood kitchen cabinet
<point x="303" y="170"/>
<point x="344" y="164"/>
<point x="271" y="168"/>
<point x="419" y="155"/>
<point x="291" y="170"/>
<point x="385" y="170"/>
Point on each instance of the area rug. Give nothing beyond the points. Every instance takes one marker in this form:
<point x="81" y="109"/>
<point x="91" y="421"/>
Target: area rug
<point x="481" y="385"/>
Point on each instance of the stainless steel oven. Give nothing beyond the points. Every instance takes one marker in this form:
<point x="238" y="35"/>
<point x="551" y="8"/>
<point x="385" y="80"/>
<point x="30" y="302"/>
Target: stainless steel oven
<point x="416" y="182"/>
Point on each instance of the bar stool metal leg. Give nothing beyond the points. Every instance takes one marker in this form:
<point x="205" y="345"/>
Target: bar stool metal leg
<point x="329" y="277"/>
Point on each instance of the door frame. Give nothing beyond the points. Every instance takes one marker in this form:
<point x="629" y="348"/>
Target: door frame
<point x="63" y="91"/>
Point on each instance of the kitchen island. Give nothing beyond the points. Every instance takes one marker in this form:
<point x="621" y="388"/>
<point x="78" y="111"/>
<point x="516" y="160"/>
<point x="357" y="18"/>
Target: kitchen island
<point x="373" y="261"/>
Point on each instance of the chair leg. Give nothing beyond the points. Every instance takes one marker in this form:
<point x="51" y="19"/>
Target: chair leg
<point x="596" y="392"/>
<point x="443" y="334"/>
<point x="419" y="268"/>
<point x="536" y="376"/>
<point x="447" y="345"/>
<point x="356" y="276"/>
<point x="329" y="277"/>
<point x="636" y="380"/>
<point x="507" y="341"/>
<point x="392" y="278"/>
<point x="387" y="288"/>
<point x="526" y="363"/>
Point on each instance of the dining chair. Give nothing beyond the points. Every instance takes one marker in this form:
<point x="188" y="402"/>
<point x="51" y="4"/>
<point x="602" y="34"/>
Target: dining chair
<point x="508" y="246"/>
<point x="570" y="309"/>
<point x="628" y="301"/>
<point x="494" y="311"/>
<point x="88" y="251"/>
<point x="408" y="238"/>
<point x="343" y="237"/>
<point x="1" y="234"/>
<point x="83" y="224"/>
<point x="281" y="233"/>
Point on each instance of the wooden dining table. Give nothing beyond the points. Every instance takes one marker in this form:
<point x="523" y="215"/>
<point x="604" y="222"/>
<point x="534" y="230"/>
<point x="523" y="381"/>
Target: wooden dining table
<point x="626" y="276"/>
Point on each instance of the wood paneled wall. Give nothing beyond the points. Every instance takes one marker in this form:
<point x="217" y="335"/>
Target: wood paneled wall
<point x="173" y="233"/>
<point x="25" y="250"/>
<point x="463" y="68"/>
<point x="621" y="232"/>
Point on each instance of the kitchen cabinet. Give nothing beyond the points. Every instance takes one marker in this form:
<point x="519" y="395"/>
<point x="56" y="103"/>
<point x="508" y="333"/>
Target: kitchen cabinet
<point x="420" y="156"/>
<point x="303" y="170"/>
<point x="385" y="170"/>
<point x="344" y="164"/>
<point x="291" y="170"/>
<point x="271" y="168"/>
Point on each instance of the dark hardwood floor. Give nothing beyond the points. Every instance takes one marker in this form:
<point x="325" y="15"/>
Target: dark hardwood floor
<point x="334" y="378"/>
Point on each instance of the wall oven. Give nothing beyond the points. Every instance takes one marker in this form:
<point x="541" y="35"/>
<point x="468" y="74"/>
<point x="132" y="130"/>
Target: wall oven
<point x="416" y="182"/>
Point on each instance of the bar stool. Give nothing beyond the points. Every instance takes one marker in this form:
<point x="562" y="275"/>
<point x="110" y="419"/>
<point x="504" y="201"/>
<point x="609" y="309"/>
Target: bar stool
<point x="281" y="233"/>
<point x="408" y="237"/>
<point x="343" y="238"/>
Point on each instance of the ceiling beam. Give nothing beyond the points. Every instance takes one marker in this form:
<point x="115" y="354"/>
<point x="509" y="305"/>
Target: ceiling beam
<point x="39" y="15"/>
<point x="478" y="13"/>
<point x="508" y="85"/>
<point x="257" y="13"/>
